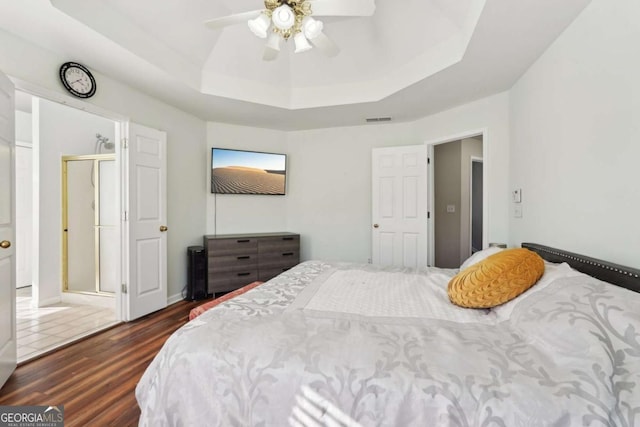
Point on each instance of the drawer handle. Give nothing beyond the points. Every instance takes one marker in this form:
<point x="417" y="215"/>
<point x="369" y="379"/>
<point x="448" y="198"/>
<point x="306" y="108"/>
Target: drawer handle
<point x="287" y="238"/>
<point x="244" y="257"/>
<point x="244" y="241"/>
<point x="287" y="254"/>
<point x="244" y="274"/>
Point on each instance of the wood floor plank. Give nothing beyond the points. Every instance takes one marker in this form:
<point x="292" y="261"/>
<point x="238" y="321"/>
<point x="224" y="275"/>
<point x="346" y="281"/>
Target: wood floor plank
<point x="96" y="378"/>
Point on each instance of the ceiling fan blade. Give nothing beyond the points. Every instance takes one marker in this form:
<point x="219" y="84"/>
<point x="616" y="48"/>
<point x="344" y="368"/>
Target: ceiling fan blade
<point x="225" y="21"/>
<point x="270" y="54"/>
<point x="326" y="45"/>
<point x="343" y="7"/>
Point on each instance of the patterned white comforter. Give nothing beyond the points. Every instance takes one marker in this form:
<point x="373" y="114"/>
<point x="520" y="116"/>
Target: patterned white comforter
<point x="566" y="353"/>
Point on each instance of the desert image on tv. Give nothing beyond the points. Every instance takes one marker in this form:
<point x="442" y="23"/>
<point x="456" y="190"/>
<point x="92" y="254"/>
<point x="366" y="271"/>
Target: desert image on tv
<point x="242" y="175"/>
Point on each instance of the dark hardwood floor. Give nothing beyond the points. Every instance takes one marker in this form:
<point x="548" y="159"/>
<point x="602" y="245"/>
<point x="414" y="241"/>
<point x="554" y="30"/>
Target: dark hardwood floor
<point x="95" y="379"/>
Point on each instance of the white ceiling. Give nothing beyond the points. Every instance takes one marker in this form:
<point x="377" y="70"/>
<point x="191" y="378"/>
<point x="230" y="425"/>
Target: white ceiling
<point x="410" y="59"/>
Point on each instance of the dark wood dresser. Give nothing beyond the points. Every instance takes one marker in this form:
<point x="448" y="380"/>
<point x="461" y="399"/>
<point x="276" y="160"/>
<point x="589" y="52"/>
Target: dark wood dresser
<point x="235" y="260"/>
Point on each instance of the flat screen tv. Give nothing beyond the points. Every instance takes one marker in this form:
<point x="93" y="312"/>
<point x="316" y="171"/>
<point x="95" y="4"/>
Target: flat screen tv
<point x="247" y="172"/>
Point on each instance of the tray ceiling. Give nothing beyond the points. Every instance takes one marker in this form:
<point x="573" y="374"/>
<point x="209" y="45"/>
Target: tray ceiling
<point x="409" y="59"/>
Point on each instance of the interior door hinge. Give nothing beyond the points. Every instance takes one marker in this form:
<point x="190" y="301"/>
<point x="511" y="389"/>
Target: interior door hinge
<point x="428" y="215"/>
<point x="125" y="216"/>
<point x="124" y="288"/>
<point x="428" y="160"/>
<point x="125" y="143"/>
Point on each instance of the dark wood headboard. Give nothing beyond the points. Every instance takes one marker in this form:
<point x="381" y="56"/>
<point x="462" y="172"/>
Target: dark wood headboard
<point x="620" y="275"/>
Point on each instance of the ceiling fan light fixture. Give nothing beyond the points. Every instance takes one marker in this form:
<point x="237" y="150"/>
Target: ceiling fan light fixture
<point x="301" y="42"/>
<point x="273" y="42"/>
<point x="283" y="17"/>
<point x="260" y="25"/>
<point x="312" y="27"/>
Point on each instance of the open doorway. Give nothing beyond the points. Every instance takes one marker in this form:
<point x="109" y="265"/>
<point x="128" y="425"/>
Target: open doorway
<point x="47" y="315"/>
<point x="477" y="203"/>
<point x="457" y="228"/>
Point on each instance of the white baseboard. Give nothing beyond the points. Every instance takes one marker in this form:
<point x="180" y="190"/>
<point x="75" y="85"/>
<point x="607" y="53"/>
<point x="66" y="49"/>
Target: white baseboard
<point x="49" y="301"/>
<point x="175" y="298"/>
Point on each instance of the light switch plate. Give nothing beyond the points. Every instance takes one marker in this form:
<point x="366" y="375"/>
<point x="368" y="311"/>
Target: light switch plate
<point x="451" y="208"/>
<point x="517" y="195"/>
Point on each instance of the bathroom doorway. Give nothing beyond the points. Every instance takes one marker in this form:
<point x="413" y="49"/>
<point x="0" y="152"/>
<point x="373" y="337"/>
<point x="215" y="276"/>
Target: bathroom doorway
<point x="47" y="316"/>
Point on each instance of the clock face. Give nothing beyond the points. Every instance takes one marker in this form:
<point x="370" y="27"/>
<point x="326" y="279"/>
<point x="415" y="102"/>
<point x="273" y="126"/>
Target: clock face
<point x="77" y="79"/>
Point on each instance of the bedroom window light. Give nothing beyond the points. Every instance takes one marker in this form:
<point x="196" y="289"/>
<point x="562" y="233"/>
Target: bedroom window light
<point x="313" y="409"/>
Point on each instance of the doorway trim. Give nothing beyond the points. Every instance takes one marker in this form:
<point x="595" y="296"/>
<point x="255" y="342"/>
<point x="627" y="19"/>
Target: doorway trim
<point x="121" y="122"/>
<point x="484" y="132"/>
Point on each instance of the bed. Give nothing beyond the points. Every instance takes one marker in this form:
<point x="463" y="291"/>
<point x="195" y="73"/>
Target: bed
<point x="335" y="344"/>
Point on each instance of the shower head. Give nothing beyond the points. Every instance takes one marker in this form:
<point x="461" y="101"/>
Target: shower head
<point x="103" y="141"/>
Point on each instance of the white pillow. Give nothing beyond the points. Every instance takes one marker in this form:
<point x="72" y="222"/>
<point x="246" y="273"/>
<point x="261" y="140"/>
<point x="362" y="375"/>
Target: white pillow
<point x="552" y="272"/>
<point x="479" y="256"/>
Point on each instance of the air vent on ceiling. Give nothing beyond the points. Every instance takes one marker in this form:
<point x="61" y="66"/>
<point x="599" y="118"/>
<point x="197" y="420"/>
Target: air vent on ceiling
<point x="378" y="119"/>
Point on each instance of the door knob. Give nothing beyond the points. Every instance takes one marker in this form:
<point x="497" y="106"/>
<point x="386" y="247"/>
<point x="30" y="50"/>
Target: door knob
<point x="5" y="244"/>
<point x="163" y="228"/>
<point x="376" y="225"/>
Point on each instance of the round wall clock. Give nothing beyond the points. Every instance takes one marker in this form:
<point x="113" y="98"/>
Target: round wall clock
<point x="77" y="79"/>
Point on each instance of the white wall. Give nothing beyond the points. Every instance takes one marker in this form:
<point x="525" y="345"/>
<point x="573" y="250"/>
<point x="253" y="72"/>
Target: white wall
<point x="330" y="188"/>
<point x="186" y="137"/>
<point x="237" y="213"/>
<point x="576" y="138"/>
<point x="24" y="131"/>
<point x="330" y="176"/>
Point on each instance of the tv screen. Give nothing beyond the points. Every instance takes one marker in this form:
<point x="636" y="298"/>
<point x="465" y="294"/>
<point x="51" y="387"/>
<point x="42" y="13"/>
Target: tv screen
<point x="247" y="172"/>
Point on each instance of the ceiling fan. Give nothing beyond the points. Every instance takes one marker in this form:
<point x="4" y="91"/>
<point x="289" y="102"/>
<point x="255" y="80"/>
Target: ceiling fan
<point x="284" y="19"/>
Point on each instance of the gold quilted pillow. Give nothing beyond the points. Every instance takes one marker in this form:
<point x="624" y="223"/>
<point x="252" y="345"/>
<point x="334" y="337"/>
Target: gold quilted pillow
<point x="497" y="279"/>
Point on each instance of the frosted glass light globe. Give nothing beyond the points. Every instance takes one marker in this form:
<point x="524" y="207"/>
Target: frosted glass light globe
<point x="260" y="25"/>
<point x="283" y="17"/>
<point x="302" y="44"/>
<point x="312" y="28"/>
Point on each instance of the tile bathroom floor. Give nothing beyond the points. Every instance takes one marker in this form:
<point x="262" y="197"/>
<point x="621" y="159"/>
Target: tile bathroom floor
<point x="41" y="330"/>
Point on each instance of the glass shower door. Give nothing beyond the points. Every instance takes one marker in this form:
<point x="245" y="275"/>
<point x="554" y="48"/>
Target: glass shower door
<point x="90" y="239"/>
<point x="106" y="227"/>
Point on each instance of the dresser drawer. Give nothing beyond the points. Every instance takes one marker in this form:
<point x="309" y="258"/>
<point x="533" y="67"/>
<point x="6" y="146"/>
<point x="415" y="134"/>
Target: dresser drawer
<point x="221" y="264"/>
<point x="286" y="258"/>
<point x="268" y="274"/>
<point x="278" y="244"/>
<point x="223" y="282"/>
<point x="240" y="246"/>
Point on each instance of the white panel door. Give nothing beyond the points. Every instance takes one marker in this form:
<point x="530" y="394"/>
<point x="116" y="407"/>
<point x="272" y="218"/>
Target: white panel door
<point x="8" y="354"/>
<point x="147" y="219"/>
<point x="399" y="202"/>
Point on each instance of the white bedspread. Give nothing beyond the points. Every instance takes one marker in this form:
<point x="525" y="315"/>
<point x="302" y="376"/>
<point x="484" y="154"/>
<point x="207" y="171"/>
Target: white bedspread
<point x="566" y="354"/>
<point x="389" y="295"/>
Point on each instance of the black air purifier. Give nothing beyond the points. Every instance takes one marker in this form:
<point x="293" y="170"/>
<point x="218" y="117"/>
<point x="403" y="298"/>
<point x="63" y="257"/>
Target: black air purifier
<point x="196" y="271"/>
